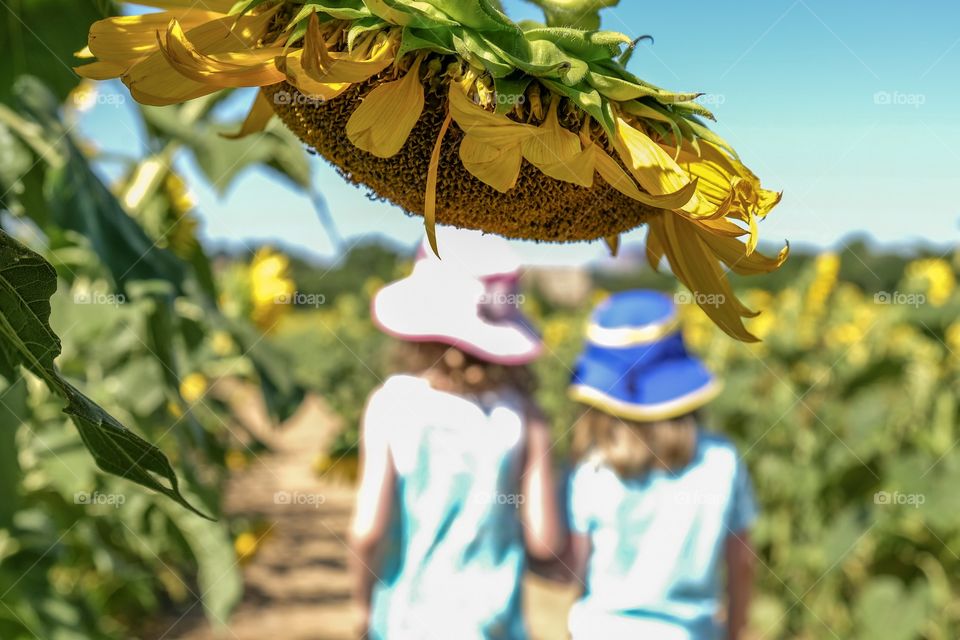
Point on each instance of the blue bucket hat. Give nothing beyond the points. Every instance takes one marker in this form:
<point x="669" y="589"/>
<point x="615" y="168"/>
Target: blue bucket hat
<point x="635" y="365"/>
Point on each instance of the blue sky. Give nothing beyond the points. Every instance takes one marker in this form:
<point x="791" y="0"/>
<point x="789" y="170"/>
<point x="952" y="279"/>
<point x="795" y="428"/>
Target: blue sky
<point x="850" y="108"/>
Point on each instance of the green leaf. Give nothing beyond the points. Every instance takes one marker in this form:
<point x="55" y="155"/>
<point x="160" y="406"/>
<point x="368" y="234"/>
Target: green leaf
<point x="579" y="14"/>
<point x="221" y="160"/>
<point x="586" y="45"/>
<point x="12" y="410"/>
<point x="362" y="26"/>
<point x="281" y="392"/>
<point x="886" y="610"/>
<point x="243" y="6"/>
<point x="590" y="101"/>
<point x="40" y="37"/>
<point x="438" y="40"/>
<point x="27" y="282"/>
<point x="477" y="52"/>
<point x="340" y="9"/>
<point x="473" y="14"/>
<point x="511" y="91"/>
<point x="409" y="13"/>
<point x="218" y="574"/>
<point x="80" y="202"/>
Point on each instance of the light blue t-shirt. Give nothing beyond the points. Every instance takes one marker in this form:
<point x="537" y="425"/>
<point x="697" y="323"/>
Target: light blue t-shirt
<point x="456" y="557"/>
<point x="657" y="544"/>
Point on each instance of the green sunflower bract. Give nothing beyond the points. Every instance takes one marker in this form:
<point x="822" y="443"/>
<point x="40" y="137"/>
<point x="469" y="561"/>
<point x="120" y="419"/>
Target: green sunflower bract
<point x="454" y="112"/>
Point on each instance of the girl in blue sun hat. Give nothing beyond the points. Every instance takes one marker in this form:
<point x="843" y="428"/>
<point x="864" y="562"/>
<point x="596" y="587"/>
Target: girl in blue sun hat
<point x="657" y="505"/>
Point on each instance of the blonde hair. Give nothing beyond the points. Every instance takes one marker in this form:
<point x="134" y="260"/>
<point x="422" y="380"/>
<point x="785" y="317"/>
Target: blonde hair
<point x="455" y="371"/>
<point x="635" y="448"/>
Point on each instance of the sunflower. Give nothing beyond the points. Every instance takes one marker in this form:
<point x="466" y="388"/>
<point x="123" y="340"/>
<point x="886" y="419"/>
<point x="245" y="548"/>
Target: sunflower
<point x="454" y="112"/>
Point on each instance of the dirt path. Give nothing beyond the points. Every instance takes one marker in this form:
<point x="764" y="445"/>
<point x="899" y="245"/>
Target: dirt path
<point x="297" y="587"/>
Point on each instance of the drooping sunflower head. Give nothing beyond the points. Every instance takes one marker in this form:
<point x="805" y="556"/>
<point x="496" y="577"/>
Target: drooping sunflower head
<point x="454" y="112"/>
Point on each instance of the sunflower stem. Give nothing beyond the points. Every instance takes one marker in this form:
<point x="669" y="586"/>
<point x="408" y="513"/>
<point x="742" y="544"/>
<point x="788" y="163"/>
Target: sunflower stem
<point x="578" y="14"/>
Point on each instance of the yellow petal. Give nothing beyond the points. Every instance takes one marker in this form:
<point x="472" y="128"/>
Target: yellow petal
<point x="732" y="252"/>
<point x="557" y="153"/>
<point x="498" y="167"/>
<point x="653" y="168"/>
<point x="124" y="39"/>
<point x="693" y="263"/>
<point x="430" y="198"/>
<point x="722" y="227"/>
<point x="614" y="175"/>
<point x="383" y="121"/>
<point x="655" y="251"/>
<point x="220" y="6"/>
<point x="317" y="64"/>
<point x="153" y="81"/>
<point x="491" y="128"/>
<point x="298" y="77"/>
<point x="314" y="56"/>
<point x="256" y="121"/>
<point x="100" y="70"/>
<point x="751" y="245"/>
<point x="613" y="244"/>
<point x="246" y="68"/>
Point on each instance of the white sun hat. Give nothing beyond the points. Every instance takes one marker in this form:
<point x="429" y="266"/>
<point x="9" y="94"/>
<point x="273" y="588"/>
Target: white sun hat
<point x="461" y="300"/>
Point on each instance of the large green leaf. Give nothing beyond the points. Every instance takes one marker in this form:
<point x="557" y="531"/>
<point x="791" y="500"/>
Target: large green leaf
<point x="222" y="159"/>
<point x="27" y="282"/>
<point x="218" y="574"/>
<point x="80" y="202"/>
<point x="12" y="406"/>
<point x="40" y="37"/>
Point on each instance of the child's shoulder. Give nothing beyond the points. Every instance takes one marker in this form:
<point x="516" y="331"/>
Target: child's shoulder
<point x="716" y="449"/>
<point x="396" y="391"/>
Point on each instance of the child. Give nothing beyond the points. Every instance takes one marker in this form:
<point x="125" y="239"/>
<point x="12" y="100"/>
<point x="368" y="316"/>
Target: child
<point x="456" y="486"/>
<point x="656" y="505"/>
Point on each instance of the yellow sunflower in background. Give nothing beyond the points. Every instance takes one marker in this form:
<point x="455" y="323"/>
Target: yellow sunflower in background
<point x="271" y="288"/>
<point x="454" y="112"/>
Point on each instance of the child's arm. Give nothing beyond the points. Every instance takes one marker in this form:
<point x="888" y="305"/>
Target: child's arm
<point x="740" y="573"/>
<point x="544" y="534"/>
<point x="371" y="518"/>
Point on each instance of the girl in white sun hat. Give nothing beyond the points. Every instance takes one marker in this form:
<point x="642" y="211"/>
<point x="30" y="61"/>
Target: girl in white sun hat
<point x="456" y="488"/>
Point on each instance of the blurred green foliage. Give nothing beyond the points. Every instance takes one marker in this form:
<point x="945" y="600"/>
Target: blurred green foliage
<point x="137" y="314"/>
